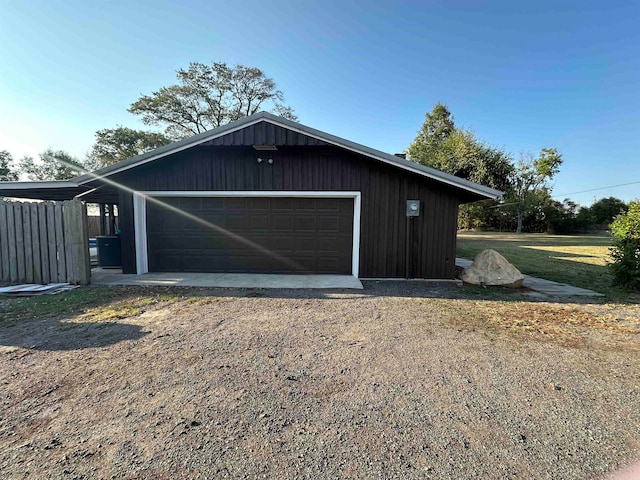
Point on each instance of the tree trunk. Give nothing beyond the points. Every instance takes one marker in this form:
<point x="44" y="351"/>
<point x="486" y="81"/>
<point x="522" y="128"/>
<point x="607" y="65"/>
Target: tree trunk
<point x="519" y="227"/>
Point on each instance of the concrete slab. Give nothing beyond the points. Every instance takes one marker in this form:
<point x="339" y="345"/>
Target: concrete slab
<point x="544" y="286"/>
<point x="225" y="280"/>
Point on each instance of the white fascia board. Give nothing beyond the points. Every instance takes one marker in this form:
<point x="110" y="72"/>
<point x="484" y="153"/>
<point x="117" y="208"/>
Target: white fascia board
<point x="29" y="185"/>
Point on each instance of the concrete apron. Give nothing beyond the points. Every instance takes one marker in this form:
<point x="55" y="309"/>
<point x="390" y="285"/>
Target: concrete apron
<point x="225" y="280"/>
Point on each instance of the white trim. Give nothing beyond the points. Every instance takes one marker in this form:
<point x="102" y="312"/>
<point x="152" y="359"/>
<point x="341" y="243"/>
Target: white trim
<point x="355" y="259"/>
<point x="140" y="215"/>
<point x="38" y="184"/>
<point x="80" y="195"/>
<point x="140" y="232"/>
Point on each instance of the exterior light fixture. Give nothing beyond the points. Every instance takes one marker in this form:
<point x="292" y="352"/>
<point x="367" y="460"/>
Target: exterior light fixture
<point x="265" y="147"/>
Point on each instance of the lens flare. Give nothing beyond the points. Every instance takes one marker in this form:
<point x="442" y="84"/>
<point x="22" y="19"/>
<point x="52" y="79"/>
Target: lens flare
<point x="212" y="226"/>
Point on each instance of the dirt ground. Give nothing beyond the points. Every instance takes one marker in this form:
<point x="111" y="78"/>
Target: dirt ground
<point x="401" y="380"/>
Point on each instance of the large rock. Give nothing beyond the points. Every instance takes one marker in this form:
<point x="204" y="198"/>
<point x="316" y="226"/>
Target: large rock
<point x="491" y="268"/>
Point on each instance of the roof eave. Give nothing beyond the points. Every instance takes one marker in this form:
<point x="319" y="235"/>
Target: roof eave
<point x="180" y="145"/>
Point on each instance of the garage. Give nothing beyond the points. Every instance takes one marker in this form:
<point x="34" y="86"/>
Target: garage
<point x="249" y="233"/>
<point x="264" y="194"/>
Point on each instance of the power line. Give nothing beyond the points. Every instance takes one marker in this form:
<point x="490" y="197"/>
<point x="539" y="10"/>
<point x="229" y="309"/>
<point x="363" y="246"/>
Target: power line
<point x="595" y="189"/>
<point x="565" y="195"/>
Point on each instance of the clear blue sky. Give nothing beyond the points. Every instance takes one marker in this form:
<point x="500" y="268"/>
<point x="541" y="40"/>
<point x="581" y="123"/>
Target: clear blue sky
<point x="523" y="75"/>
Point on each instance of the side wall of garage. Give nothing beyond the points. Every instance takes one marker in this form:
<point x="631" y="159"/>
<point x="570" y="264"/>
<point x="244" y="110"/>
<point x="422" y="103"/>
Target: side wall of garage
<point x="387" y="239"/>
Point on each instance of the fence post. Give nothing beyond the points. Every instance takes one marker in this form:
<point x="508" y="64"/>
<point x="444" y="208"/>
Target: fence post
<point x="17" y="213"/>
<point x="75" y="242"/>
<point x="44" y="243"/>
<point x="28" y="251"/>
<point x="5" y="274"/>
<point x="51" y="241"/>
<point x="85" y="273"/>
<point x="61" y="257"/>
<point x="70" y="231"/>
<point x="35" y="243"/>
<point x="13" y="245"/>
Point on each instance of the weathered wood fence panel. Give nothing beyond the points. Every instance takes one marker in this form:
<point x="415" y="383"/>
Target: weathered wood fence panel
<point x="44" y="242"/>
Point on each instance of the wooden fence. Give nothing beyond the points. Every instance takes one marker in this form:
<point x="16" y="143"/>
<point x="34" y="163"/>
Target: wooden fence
<point x="44" y="242"/>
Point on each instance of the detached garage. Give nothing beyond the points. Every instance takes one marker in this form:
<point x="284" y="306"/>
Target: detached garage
<point x="268" y="195"/>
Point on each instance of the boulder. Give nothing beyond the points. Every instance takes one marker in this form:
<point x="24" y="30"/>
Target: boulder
<point x="491" y="268"/>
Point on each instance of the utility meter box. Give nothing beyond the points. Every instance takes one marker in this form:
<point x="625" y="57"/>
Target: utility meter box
<point x="413" y="208"/>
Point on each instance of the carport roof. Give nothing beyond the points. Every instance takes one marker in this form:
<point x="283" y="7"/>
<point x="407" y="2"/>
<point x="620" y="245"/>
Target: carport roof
<point x="58" y="190"/>
<point x="54" y="190"/>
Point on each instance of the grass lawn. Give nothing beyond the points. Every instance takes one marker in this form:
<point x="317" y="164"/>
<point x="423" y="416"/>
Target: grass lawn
<point x="579" y="260"/>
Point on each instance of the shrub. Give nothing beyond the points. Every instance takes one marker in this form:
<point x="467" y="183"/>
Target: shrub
<point x="625" y="252"/>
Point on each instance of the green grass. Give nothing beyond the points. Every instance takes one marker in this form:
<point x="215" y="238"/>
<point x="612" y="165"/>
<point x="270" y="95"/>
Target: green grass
<point x="96" y="303"/>
<point x="579" y="260"/>
<point x="74" y="301"/>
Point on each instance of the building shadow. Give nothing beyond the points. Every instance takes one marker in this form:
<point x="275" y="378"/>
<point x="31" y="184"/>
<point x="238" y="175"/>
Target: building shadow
<point x="55" y="334"/>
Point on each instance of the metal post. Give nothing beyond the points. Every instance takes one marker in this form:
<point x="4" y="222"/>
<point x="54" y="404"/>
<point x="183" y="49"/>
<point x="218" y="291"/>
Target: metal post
<point x="102" y="219"/>
<point x="407" y="248"/>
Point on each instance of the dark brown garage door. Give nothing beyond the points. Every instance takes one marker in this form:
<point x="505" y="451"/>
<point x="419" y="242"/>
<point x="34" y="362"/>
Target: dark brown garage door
<point x="251" y="235"/>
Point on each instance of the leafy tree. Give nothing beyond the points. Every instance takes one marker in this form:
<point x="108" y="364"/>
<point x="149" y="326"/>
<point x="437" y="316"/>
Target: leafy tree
<point x="53" y="165"/>
<point x="462" y="155"/>
<point x="605" y="210"/>
<point x="441" y="145"/>
<point x="530" y="178"/>
<point x="7" y="174"/>
<point x="116" y="144"/>
<point x="208" y="96"/>
<point x="563" y="217"/>
<point x="437" y="126"/>
<point x="625" y="253"/>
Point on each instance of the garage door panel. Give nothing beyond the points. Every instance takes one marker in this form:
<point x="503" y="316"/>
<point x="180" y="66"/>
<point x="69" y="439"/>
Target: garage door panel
<point x="305" y="204"/>
<point x="329" y="205"/>
<point x="257" y="204"/>
<point x="331" y="245"/>
<point x="305" y="223"/>
<point x="282" y="204"/>
<point x="282" y="223"/>
<point x="328" y="223"/>
<point x="234" y="203"/>
<point x="282" y="243"/>
<point x="259" y="222"/>
<point x="237" y="221"/>
<point x="282" y="235"/>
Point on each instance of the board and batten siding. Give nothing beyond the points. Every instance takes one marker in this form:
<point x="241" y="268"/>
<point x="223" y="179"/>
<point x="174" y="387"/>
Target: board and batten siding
<point x="264" y="133"/>
<point x="384" y="189"/>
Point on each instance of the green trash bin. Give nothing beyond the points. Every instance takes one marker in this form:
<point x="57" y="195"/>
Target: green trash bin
<point x="109" y="255"/>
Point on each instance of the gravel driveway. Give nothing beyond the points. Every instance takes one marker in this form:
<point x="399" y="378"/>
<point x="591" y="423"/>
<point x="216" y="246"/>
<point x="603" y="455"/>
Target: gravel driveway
<point x="382" y="383"/>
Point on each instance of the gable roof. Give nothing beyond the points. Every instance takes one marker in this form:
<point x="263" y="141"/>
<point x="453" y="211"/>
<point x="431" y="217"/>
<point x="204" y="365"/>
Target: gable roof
<point x="200" y="138"/>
